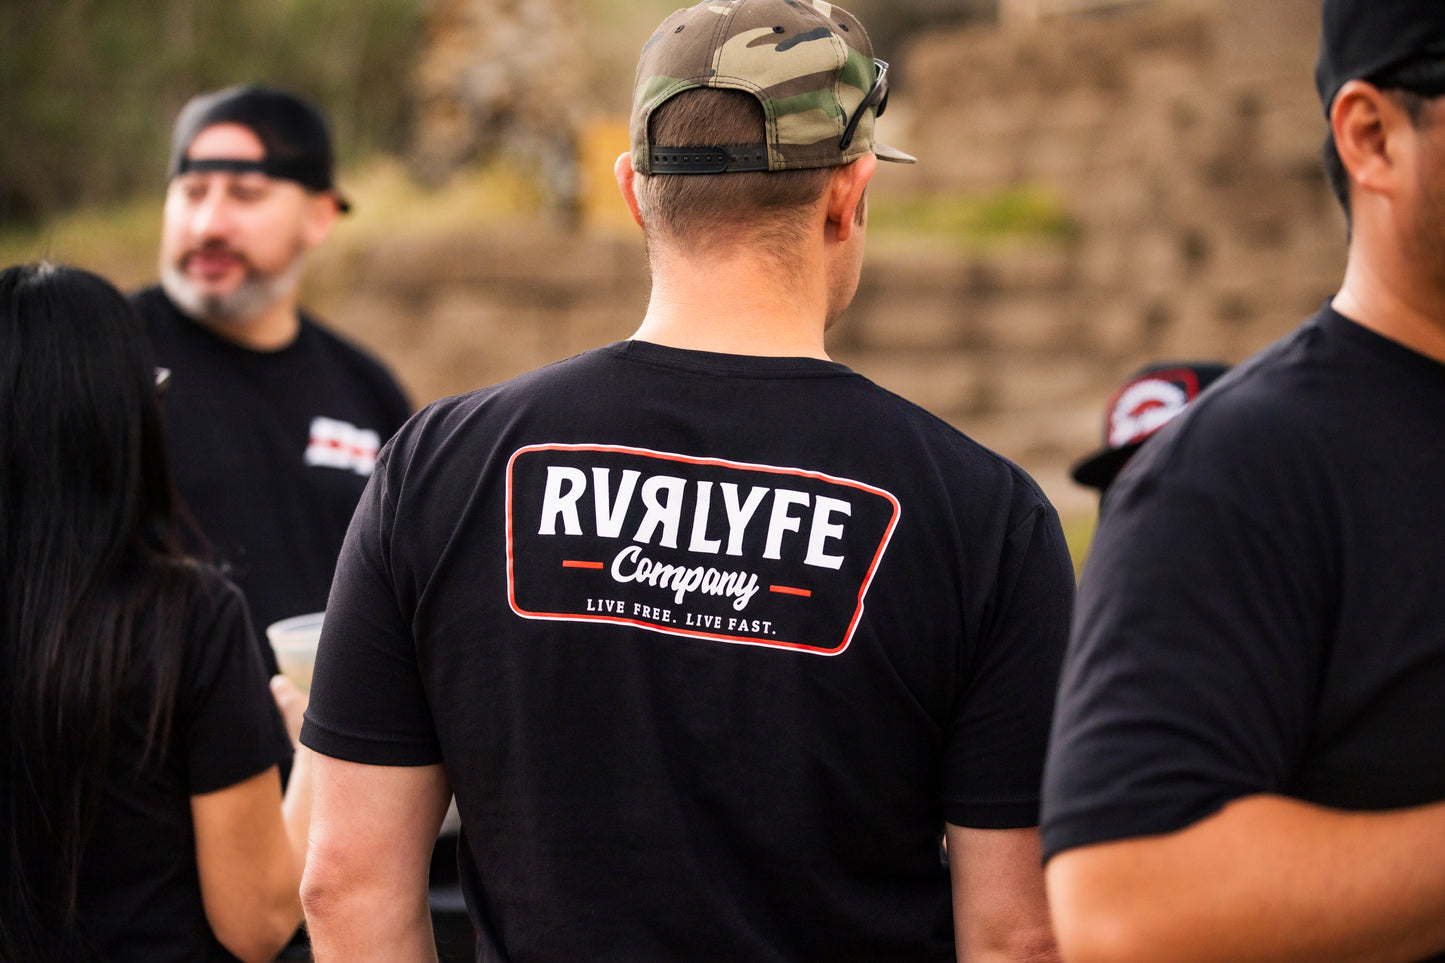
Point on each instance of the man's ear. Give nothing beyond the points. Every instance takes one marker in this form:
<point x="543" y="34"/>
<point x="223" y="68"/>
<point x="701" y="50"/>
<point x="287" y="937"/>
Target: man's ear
<point x="321" y="215"/>
<point x="626" y="182"/>
<point x="1368" y="126"/>
<point x="845" y="193"/>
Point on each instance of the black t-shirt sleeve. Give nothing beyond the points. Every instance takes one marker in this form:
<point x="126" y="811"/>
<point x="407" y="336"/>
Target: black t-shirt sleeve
<point x="366" y="658"/>
<point x="232" y="729"/>
<point x="1195" y="659"/>
<point x="997" y="737"/>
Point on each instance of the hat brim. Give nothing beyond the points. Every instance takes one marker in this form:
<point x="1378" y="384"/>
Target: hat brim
<point x="884" y="152"/>
<point x="1099" y="469"/>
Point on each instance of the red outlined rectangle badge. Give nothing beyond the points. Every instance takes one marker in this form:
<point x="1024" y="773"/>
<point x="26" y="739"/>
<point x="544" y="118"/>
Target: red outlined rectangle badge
<point x="695" y="547"/>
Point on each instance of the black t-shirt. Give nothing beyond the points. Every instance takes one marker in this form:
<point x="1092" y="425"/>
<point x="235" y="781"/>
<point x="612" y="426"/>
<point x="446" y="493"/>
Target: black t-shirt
<point x="271" y="450"/>
<point x="710" y="646"/>
<point x="140" y="896"/>
<point x="1261" y="610"/>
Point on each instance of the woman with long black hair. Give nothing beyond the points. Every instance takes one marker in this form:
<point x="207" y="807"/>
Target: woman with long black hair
<point x="141" y="810"/>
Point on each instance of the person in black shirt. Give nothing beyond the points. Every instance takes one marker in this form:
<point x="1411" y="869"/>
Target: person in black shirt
<point x="274" y="422"/>
<point x="141" y="811"/>
<point x="1248" y="757"/>
<point x="714" y="639"/>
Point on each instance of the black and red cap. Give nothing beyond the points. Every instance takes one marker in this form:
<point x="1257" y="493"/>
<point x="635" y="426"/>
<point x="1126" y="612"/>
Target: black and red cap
<point x="1151" y="398"/>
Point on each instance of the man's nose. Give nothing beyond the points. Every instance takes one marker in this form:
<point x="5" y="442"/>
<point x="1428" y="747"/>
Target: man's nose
<point x="212" y="217"/>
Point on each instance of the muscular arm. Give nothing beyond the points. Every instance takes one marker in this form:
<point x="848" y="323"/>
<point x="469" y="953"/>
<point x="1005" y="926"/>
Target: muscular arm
<point x="1265" y="879"/>
<point x="365" y="886"/>
<point x="999" y="911"/>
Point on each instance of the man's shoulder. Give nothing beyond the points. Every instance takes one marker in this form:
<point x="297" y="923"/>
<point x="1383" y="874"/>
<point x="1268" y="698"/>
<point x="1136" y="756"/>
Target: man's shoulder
<point x="148" y="297"/>
<point x="1273" y="394"/>
<point x="340" y="349"/>
<point x="176" y="339"/>
<point x="324" y="334"/>
<point x="155" y="308"/>
<point x="560" y="384"/>
<point x="924" y="437"/>
<point x="1264" y="430"/>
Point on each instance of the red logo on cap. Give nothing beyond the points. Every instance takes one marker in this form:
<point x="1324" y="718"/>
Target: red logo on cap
<point x="1143" y="407"/>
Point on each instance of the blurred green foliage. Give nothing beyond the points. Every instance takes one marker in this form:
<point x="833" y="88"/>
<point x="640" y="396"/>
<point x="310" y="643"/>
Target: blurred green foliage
<point x="89" y="90"/>
<point x="91" y="87"/>
<point x="1079" y="534"/>
<point x="977" y="220"/>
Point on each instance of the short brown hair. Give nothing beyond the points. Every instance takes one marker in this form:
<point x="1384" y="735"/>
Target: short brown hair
<point x="703" y="212"/>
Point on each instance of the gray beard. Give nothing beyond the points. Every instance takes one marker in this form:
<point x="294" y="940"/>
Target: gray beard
<point x="255" y="295"/>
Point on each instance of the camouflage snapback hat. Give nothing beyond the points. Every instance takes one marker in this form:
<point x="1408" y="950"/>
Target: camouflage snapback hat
<point x="808" y="62"/>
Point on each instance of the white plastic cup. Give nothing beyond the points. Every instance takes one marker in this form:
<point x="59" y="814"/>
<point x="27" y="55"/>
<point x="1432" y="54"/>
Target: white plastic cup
<point x="294" y="642"/>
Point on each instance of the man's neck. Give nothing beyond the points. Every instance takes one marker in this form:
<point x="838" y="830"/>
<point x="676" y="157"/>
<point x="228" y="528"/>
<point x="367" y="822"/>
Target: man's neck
<point x="1395" y="303"/>
<point x="736" y="304"/>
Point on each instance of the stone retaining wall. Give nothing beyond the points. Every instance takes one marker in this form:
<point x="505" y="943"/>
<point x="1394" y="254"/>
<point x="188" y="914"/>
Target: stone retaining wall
<point x="1181" y="136"/>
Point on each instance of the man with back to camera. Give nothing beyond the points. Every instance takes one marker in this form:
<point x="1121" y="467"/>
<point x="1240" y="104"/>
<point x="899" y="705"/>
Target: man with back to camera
<point x="272" y="421"/>
<point x="710" y="635"/>
<point x="1248" y="761"/>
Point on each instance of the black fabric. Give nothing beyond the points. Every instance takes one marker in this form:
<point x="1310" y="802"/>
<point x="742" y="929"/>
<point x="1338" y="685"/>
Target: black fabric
<point x="269" y="450"/>
<point x="225" y="164"/>
<point x="140" y="897"/>
<point x="754" y="758"/>
<point x="709" y="160"/>
<point x="1261" y="609"/>
<point x="1370" y="40"/>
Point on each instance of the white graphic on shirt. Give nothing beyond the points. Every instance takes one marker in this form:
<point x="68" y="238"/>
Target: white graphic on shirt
<point x="340" y="444"/>
<point x="685" y="545"/>
<point x="631" y="566"/>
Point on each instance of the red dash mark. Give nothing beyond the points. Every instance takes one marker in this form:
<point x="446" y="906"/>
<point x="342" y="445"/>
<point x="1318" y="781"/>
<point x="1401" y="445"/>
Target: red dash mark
<point x="569" y="563"/>
<point x="785" y="590"/>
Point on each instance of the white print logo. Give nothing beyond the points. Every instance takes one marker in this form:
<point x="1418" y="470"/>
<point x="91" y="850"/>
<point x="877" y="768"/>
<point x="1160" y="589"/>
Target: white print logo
<point x="684" y="545"/>
<point x="1144" y="409"/>
<point x="742" y="586"/>
<point x="663" y="497"/>
<point x="340" y="444"/>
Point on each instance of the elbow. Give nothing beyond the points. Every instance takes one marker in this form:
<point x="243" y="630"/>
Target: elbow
<point x="1100" y="941"/>
<point x="1030" y="945"/>
<point x="255" y="926"/>
<point x="340" y="897"/>
<point x="354" y="895"/>
<point x="320" y="892"/>
<point x="1088" y="932"/>
<point x="261" y="938"/>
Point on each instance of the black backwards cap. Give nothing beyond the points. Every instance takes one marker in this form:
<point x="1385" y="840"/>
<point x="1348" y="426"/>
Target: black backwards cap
<point x="291" y="130"/>
<point x="1390" y="43"/>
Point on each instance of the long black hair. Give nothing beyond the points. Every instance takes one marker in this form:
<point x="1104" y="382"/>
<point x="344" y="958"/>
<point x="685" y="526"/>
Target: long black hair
<point x="93" y="585"/>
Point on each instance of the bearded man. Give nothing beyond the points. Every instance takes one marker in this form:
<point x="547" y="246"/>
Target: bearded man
<point x="273" y="423"/>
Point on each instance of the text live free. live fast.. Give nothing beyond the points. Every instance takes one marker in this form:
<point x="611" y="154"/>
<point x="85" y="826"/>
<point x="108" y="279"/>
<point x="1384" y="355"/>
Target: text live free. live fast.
<point x="699" y="547"/>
